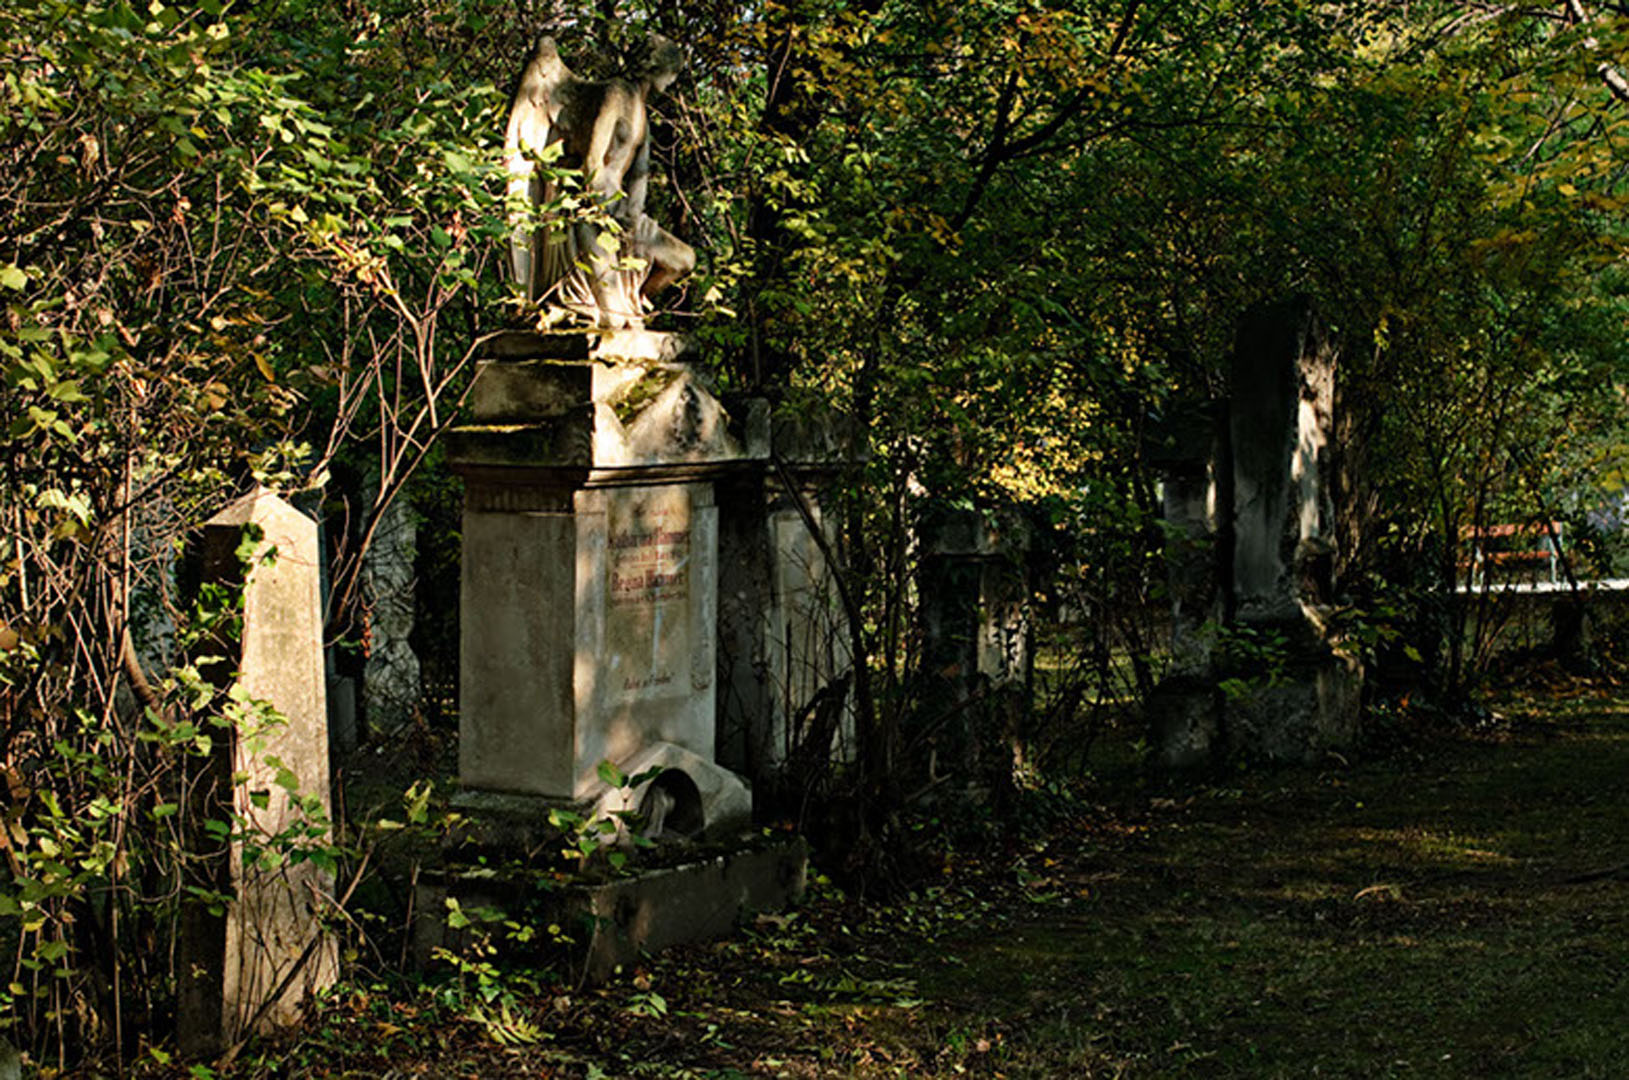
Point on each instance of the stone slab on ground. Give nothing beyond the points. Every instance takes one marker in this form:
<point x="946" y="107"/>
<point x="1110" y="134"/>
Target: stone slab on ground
<point x="613" y="922"/>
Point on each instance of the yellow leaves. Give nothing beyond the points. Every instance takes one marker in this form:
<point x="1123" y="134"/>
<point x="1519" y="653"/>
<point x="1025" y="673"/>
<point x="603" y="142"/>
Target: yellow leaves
<point x="1046" y="455"/>
<point x="356" y="260"/>
<point x="1508" y="237"/>
<point x="714" y="300"/>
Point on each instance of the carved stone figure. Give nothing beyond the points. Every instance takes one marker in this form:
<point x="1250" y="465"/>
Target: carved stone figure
<point x="604" y="274"/>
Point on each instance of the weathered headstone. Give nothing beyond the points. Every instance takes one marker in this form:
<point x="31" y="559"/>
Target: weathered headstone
<point x="1275" y="682"/>
<point x="1280" y="416"/>
<point x="390" y="678"/>
<point x="1281" y="419"/>
<point x="1189" y="452"/>
<point x="974" y="593"/>
<point x="249" y="963"/>
<point x="785" y="660"/>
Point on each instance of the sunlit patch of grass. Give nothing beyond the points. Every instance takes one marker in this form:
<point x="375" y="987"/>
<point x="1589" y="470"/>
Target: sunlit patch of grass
<point x="1379" y="924"/>
<point x="1439" y="846"/>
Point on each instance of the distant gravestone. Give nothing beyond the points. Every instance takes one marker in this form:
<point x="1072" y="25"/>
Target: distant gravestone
<point x="785" y="658"/>
<point x="390" y="680"/>
<point x="1257" y="668"/>
<point x="974" y="592"/>
<point x="1185" y="451"/>
<point x="247" y="964"/>
<point x="1190" y="454"/>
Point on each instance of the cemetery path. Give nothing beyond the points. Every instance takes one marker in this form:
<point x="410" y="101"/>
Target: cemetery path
<point x="1458" y="908"/>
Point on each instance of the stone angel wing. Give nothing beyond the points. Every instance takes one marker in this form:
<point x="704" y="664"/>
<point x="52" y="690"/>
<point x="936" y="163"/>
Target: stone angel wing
<point x="532" y="121"/>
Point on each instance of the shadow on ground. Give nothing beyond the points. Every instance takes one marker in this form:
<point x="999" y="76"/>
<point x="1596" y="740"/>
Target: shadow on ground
<point x="1458" y="911"/>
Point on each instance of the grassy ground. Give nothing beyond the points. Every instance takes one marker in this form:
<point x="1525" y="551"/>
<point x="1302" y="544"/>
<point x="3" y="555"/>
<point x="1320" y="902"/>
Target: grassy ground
<point x="1457" y="909"/>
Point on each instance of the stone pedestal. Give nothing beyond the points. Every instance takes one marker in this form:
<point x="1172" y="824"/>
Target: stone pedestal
<point x="590" y="563"/>
<point x="248" y="964"/>
<point x="612" y="923"/>
<point x="1309" y="702"/>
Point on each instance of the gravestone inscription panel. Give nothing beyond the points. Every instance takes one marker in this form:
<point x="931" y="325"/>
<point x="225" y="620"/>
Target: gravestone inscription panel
<point x="647" y="570"/>
<point x="647" y="592"/>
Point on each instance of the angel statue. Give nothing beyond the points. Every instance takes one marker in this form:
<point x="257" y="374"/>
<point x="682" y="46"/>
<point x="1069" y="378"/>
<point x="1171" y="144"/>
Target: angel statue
<point x="604" y="273"/>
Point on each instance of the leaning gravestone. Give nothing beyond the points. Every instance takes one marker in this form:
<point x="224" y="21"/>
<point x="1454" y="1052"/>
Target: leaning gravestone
<point x="247" y="964"/>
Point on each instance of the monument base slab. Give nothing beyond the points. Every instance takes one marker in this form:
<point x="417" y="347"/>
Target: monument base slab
<point x="610" y="923"/>
<point x="1315" y="706"/>
<point x="1311" y="705"/>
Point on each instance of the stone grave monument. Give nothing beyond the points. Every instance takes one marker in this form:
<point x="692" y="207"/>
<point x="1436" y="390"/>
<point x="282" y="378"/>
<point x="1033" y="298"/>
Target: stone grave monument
<point x="1258" y="669"/>
<point x="590" y="560"/>
<point x="590" y="455"/>
<point x="590" y="569"/>
<point x="974" y="590"/>
<point x="248" y="965"/>
<point x="785" y="663"/>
